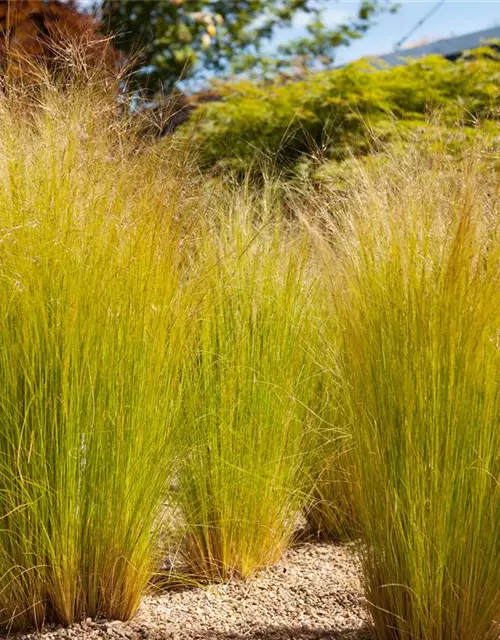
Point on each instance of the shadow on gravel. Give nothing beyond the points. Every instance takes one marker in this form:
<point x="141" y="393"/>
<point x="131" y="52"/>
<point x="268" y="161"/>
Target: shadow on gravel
<point x="290" y="633"/>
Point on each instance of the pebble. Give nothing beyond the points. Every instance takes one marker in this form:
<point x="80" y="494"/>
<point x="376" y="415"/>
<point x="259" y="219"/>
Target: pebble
<point x="314" y="592"/>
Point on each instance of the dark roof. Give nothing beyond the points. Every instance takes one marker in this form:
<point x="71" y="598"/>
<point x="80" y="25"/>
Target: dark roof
<point x="450" y="48"/>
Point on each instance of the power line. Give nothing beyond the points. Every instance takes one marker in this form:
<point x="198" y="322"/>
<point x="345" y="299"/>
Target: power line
<point x="419" y="24"/>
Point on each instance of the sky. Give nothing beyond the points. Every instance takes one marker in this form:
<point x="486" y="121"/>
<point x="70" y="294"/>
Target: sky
<point x="453" y="18"/>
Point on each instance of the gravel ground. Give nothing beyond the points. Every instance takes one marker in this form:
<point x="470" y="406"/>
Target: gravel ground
<point x="313" y="593"/>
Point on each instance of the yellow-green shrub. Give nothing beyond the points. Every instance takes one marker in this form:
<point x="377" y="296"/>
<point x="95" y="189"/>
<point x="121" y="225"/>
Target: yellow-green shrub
<point x="332" y="114"/>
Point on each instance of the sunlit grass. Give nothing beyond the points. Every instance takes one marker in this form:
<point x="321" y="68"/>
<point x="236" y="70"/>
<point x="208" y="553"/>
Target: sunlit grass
<point x="416" y="281"/>
<point x="93" y="327"/>
<point x="331" y="509"/>
<point x="246" y="399"/>
<point x="180" y="363"/>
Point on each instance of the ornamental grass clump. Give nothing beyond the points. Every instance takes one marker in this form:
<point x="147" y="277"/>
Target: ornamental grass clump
<point x="247" y="395"/>
<point x="94" y="303"/>
<point x="331" y="509"/>
<point x="415" y="270"/>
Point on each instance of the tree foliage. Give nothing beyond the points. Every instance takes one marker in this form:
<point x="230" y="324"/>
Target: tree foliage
<point x="173" y="39"/>
<point x="37" y="32"/>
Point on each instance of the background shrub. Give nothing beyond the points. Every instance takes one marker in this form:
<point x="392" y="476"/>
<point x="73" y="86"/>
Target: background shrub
<point x="333" y="114"/>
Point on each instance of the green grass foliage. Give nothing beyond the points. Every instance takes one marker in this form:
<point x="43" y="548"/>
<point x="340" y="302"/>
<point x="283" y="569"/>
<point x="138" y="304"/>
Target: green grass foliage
<point x="196" y="363"/>
<point x="331" y="508"/>
<point x="154" y="363"/>
<point x="416" y="282"/>
<point x="92" y="326"/>
<point x="247" y="397"/>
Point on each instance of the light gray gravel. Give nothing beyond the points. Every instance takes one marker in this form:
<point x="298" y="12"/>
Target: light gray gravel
<point x="313" y="593"/>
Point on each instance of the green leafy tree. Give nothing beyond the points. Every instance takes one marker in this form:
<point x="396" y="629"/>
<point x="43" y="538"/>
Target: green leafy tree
<point x="173" y="39"/>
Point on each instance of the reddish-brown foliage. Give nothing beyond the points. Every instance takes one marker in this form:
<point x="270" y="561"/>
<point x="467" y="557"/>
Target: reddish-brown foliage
<point x="41" y="30"/>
